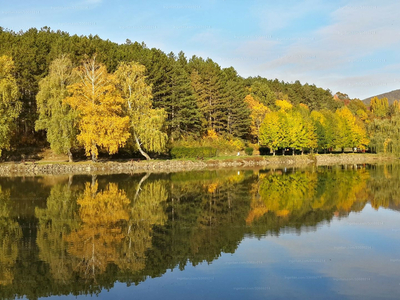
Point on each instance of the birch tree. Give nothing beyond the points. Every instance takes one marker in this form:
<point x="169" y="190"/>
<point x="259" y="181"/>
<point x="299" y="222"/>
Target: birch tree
<point x="102" y="121"/>
<point x="146" y="123"/>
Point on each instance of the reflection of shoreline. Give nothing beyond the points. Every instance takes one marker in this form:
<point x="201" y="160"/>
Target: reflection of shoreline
<point x="181" y="219"/>
<point x="160" y="166"/>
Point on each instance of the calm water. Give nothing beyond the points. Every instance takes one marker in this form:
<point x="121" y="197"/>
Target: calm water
<point x="326" y="233"/>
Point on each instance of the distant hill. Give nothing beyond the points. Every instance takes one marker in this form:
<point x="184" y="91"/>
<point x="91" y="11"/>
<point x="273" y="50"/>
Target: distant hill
<point x="393" y="95"/>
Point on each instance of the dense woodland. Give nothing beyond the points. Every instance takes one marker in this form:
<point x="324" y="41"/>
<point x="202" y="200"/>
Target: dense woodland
<point x="82" y="92"/>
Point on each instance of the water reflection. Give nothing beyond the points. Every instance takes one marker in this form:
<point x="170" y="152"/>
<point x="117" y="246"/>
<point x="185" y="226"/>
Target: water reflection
<point x="80" y="235"/>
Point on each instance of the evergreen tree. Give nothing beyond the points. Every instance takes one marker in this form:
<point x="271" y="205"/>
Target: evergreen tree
<point x="262" y="93"/>
<point x="206" y="82"/>
<point x="237" y="114"/>
<point x="180" y="105"/>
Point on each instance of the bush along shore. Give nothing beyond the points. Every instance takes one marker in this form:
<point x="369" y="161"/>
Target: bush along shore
<point x="110" y="167"/>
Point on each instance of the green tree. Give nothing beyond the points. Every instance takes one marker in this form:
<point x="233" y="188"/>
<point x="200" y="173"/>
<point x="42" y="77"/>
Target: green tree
<point x="324" y="123"/>
<point x="180" y="103"/>
<point x="10" y="107"/>
<point x="206" y="82"/>
<point x="236" y="118"/>
<point x="380" y="107"/>
<point x="146" y="122"/>
<point x="263" y="94"/>
<point x="58" y="118"/>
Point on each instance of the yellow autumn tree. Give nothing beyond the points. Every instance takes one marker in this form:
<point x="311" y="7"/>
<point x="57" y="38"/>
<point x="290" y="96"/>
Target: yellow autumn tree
<point x="271" y="131"/>
<point x="283" y="105"/>
<point x="102" y="121"/>
<point x="351" y="132"/>
<point x="257" y="115"/>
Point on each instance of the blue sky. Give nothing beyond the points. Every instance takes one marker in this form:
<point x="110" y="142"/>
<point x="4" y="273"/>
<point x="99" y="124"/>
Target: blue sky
<point x="347" y="46"/>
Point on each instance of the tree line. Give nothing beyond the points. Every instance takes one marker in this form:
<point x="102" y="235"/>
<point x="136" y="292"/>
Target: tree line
<point x="145" y="100"/>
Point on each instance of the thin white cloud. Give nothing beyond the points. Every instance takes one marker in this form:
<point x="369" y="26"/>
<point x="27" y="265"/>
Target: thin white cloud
<point x="348" y="50"/>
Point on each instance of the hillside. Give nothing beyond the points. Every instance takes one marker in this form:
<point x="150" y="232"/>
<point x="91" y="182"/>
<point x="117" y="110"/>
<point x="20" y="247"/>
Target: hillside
<point x="393" y="95"/>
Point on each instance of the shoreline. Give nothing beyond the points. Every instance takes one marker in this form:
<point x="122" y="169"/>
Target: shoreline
<point x="166" y="166"/>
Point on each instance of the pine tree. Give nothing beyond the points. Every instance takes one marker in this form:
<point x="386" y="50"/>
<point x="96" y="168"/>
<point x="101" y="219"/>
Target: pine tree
<point x="180" y="105"/>
<point x="206" y="82"/>
<point x="236" y="117"/>
<point x="263" y="94"/>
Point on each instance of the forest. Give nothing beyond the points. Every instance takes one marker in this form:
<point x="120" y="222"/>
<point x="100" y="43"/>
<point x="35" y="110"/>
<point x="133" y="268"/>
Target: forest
<point x="82" y="93"/>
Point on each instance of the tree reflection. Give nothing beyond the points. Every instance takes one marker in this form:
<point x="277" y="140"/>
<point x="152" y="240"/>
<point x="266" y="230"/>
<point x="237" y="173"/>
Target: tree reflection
<point x="10" y="233"/>
<point x="130" y="228"/>
<point x="145" y="212"/>
<point x="300" y="193"/>
<point x="56" y="222"/>
<point x="97" y="239"/>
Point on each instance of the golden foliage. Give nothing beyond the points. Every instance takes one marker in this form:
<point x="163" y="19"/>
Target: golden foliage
<point x="96" y="243"/>
<point x="283" y="105"/>
<point x="102" y="121"/>
<point x="258" y="112"/>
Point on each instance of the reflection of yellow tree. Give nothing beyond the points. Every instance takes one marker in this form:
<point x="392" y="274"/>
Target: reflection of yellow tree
<point x="145" y="212"/>
<point x="10" y="233"/>
<point x="285" y="193"/>
<point x="56" y="221"/>
<point x="230" y="178"/>
<point x="95" y="244"/>
<point x="350" y="189"/>
<point x="257" y="206"/>
<point x="303" y="192"/>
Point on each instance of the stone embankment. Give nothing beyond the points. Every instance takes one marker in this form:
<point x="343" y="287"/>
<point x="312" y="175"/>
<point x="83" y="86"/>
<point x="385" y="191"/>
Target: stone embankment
<point x="21" y="169"/>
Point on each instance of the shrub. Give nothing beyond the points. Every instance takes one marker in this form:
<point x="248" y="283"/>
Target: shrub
<point x="193" y="152"/>
<point x="249" y="150"/>
<point x="224" y="145"/>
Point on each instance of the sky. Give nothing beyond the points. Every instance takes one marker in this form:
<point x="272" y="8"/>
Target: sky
<point x="347" y="46"/>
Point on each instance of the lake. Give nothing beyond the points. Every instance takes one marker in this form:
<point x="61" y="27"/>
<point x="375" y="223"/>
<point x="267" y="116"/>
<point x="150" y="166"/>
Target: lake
<point x="314" y="233"/>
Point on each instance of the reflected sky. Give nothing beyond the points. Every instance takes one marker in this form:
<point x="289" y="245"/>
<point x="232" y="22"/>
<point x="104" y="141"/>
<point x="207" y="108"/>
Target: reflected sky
<point x="204" y="235"/>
